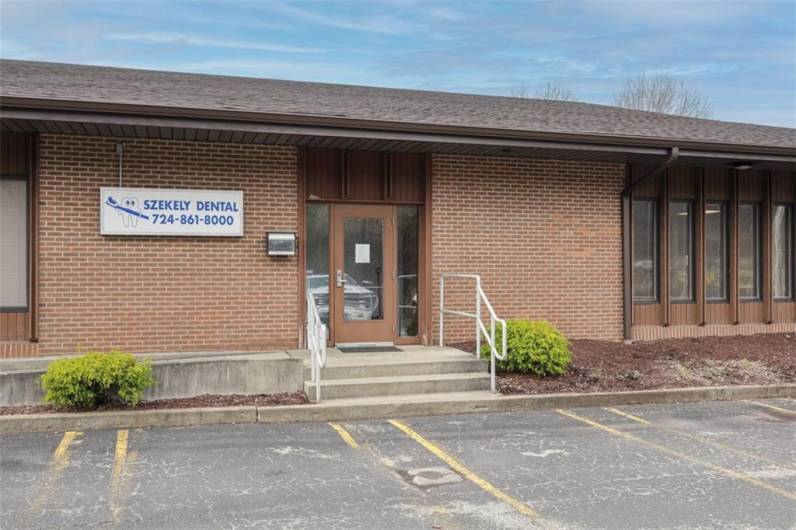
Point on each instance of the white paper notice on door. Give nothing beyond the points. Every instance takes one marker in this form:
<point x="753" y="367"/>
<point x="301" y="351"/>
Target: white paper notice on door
<point x="361" y="253"/>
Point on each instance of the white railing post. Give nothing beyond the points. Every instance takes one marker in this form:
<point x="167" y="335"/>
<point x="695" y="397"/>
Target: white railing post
<point x="480" y="328"/>
<point x="478" y="317"/>
<point x="442" y="311"/>
<point x="316" y="343"/>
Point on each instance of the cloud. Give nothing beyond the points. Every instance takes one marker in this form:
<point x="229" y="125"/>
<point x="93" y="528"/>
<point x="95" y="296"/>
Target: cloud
<point x="189" y="40"/>
<point x="387" y="25"/>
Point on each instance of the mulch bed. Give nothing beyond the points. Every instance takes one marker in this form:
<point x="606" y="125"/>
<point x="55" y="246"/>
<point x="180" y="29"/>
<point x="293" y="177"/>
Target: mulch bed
<point x="205" y="400"/>
<point x="673" y="363"/>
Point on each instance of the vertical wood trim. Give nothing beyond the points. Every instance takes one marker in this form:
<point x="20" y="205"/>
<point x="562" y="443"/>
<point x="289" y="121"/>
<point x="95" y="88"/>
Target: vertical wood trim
<point x="627" y="256"/>
<point x="343" y="161"/>
<point x="735" y="284"/>
<point x="332" y="271"/>
<point x="301" y="166"/>
<point x="664" y="273"/>
<point x="33" y="242"/>
<point x="427" y="291"/>
<point x="767" y="272"/>
<point x="387" y="176"/>
<point x="700" y="246"/>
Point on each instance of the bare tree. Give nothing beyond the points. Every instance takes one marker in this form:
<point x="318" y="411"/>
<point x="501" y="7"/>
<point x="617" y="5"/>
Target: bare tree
<point x="522" y="91"/>
<point x="553" y="91"/>
<point x="662" y="93"/>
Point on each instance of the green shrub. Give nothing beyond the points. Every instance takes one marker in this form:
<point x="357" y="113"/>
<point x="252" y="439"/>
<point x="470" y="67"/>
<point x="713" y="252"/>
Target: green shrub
<point x="533" y="346"/>
<point x="96" y="379"/>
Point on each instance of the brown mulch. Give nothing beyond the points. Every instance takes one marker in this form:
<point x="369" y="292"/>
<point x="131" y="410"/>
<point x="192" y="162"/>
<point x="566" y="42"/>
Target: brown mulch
<point x="205" y="400"/>
<point x="706" y="361"/>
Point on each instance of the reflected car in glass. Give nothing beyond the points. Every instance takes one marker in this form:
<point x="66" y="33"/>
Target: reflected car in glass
<point x="361" y="303"/>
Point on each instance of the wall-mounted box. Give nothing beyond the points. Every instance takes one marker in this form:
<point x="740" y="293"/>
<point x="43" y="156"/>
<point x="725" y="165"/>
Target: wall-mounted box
<point x="281" y="243"/>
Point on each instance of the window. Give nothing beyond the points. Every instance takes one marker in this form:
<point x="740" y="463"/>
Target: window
<point x="317" y="249"/>
<point x="782" y="251"/>
<point x="749" y="251"/>
<point x="717" y="255"/>
<point x="681" y="251"/>
<point x="13" y="244"/>
<point x="408" y="265"/>
<point x="645" y="250"/>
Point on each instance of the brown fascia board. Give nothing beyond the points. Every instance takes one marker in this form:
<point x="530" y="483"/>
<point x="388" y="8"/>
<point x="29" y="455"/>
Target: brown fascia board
<point x="375" y="125"/>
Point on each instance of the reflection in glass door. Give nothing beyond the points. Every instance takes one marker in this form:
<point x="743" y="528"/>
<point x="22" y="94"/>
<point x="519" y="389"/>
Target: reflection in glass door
<point x="363" y="268"/>
<point x="364" y="274"/>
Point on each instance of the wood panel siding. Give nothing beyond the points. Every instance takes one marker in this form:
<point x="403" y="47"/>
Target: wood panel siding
<point x="335" y="175"/>
<point x="407" y="177"/>
<point x="16" y="162"/>
<point x="15" y="155"/>
<point x="703" y="185"/>
<point x="324" y="174"/>
<point x="364" y="176"/>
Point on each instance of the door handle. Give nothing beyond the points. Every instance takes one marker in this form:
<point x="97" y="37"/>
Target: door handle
<point x="340" y="278"/>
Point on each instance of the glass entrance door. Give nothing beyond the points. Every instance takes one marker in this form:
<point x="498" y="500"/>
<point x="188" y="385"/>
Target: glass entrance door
<point x="364" y="274"/>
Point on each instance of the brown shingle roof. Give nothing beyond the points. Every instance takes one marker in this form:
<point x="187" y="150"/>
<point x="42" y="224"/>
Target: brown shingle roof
<point x="223" y="93"/>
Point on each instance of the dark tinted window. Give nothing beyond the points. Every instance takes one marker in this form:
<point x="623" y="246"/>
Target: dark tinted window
<point x="717" y="230"/>
<point x="681" y="251"/>
<point x="645" y="254"/>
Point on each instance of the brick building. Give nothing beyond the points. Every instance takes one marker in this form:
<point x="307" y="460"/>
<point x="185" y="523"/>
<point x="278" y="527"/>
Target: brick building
<point x="611" y="223"/>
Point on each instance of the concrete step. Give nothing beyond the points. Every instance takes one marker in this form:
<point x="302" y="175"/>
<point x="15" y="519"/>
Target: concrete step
<point x="399" y="385"/>
<point x="402" y="368"/>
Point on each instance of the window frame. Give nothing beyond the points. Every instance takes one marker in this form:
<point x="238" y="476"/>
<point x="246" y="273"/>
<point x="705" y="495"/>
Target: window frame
<point x="792" y="249"/>
<point x="758" y="252"/>
<point x="726" y="217"/>
<point x="28" y="242"/>
<point x="656" y="298"/>
<point x="690" y="203"/>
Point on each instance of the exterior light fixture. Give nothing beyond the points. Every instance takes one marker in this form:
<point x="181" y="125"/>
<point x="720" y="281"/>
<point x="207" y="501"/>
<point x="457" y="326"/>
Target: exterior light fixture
<point x="741" y="166"/>
<point x="281" y="243"/>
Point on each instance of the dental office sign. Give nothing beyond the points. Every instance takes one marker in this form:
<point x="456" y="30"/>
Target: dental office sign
<point x="161" y="212"/>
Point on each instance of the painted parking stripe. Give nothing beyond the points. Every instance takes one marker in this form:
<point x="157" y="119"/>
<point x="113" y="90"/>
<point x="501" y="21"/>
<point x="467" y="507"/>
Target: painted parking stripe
<point x="463" y="470"/>
<point x="58" y="463"/>
<point x="773" y="407"/>
<point x="344" y="434"/>
<point x="117" y="475"/>
<point x="696" y="437"/>
<point x="688" y="458"/>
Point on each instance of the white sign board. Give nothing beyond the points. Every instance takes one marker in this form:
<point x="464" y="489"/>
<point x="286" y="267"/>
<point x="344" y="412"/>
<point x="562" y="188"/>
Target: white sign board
<point x="361" y="253"/>
<point x="166" y="212"/>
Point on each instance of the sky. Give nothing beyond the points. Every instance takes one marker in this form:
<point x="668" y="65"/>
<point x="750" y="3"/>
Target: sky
<point x="741" y="55"/>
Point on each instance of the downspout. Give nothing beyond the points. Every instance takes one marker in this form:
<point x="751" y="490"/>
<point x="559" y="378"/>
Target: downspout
<point x="627" y="266"/>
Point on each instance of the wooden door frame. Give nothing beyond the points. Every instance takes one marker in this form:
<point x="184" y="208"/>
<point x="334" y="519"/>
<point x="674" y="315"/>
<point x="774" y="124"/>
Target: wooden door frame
<point x="425" y="283"/>
<point x="384" y="329"/>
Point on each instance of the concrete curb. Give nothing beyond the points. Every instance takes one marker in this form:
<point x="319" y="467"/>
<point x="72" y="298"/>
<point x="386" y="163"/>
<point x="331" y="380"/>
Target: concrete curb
<point x="331" y="411"/>
<point x="124" y="419"/>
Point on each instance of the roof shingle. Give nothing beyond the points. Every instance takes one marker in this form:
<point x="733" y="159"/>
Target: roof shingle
<point x="210" y="92"/>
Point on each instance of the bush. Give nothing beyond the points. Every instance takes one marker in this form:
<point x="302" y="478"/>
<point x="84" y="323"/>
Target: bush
<point x="96" y="379"/>
<point x="533" y="346"/>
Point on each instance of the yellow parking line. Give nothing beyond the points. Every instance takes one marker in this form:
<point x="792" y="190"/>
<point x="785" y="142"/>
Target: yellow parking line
<point x="688" y="458"/>
<point x="344" y="434"/>
<point x="698" y="438"/>
<point x="773" y="407"/>
<point x="117" y="475"/>
<point x="464" y="471"/>
<point x="58" y="463"/>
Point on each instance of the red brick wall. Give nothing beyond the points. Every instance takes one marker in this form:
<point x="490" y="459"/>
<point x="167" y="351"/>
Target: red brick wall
<point x="545" y="235"/>
<point x="145" y="294"/>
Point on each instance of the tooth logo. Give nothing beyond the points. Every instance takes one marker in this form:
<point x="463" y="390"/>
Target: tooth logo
<point x="128" y="209"/>
<point x="129" y="217"/>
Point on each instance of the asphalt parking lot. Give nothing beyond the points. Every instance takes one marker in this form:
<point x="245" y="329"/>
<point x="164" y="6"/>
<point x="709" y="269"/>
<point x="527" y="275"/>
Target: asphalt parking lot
<point x="705" y="465"/>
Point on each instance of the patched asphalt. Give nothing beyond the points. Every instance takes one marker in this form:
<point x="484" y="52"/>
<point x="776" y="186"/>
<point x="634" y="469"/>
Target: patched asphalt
<point x="699" y="465"/>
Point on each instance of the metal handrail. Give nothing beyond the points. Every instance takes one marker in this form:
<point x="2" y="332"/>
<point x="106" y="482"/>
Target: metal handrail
<point x="316" y="344"/>
<point x="480" y="329"/>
